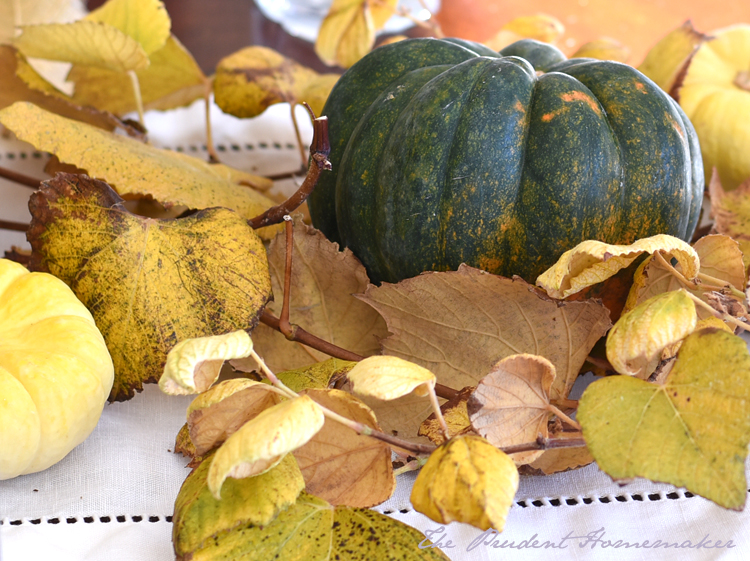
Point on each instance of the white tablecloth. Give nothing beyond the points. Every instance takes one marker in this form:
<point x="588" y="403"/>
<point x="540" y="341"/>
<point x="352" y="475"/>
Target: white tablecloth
<point x="112" y="497"/>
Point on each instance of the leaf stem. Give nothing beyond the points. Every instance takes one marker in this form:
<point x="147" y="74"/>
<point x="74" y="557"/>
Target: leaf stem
<point x="438" y="412"/>
<point x="20" y="178"/>
<point x="320" y="149"/>
<point x="562" y="416"/>
<point x="300" y="144"/>
<point x="726" y="317"/>
<point x="213" y="157"/>
<point x="718" y="287"/>
<point x="574" y="441"/>
<point x="13" y="226"/>
<point x="412" y="465"/>
<point x="284" y="324"/>
<point x="137" y="94"/>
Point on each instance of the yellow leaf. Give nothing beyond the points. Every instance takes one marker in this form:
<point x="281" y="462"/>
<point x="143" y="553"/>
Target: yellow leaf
<point x="591" y="262"/>
<point x="541" y="27"/>
<point x="198" y="516"/>
<point x="146" y="21"/>
<point x="603" y="49"/>
<point x="216" y="414"/>
<point x="456" y="417"/>
<point x="667" y="60"/>
<point x="193" y="365"/>
<point x="635" y="343"/>
<point x="148" y="283"/>
<point x="511" y="403"/>
<point x="173" y="79"/>
<point x="341" y="466"/>
<point x="249" y="81"/>
<point x="87" y="43"/>
<point x="348" y="30"/>
<point x="693" y="431"/>
<point x="390" y="377"/>
<point x="560" y="459"/>
<point x="263" y="441"/>
<point x="311" y="529"/>
<point x="731" y="211"/>
<point x="136" y="169"/>
<point x="27" y="12"/>
<point x="320" y="375"/>
<point x="466" y="480"/>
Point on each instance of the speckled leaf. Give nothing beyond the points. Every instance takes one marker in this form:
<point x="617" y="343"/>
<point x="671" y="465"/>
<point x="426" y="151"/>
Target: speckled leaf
<point x="636" y="342"/>
<point x="198" y="516"/>
<point x="323" y="282"/>
<point x="173" y="79"/>
<point x="348" y="30"/>
<point x="148" y="283"/>
<point x="731" y="212"/>
<point x="88" y="43"/>
<point x="136" y="169"/>
<point x="146" y="21"/>
<point x="249" y="81"/>
<point x="693" y="431"/>
<point x="591" y="262"/>
<point x="466" y="480"/>
<point x="263" y="441"/>
<point x="313" y="530"/>
<point x="511" y="403"/>
<point x="459" y="324"/>
<point x="341" y="466"/>
<point x="320" y="375"/>
<point x="456" y="417"/>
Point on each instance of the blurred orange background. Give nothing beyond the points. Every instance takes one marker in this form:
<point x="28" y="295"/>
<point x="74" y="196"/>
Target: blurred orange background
<point x="638" y="24"/>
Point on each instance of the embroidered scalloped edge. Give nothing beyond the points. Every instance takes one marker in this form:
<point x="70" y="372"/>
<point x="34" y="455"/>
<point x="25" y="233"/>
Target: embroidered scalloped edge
<point x="85" y="520"/>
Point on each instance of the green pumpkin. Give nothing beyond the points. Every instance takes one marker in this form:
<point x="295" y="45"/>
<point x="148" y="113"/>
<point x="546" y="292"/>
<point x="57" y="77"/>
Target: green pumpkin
<point x="445" y="152"/>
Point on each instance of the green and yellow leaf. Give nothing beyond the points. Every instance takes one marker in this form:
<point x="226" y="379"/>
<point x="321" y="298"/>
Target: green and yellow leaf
<point x="146" y="21"/>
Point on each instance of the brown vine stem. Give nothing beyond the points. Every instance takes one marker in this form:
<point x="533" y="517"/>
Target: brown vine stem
<point x="284" y="325"/>
<point x="20" y="178"/>
<point x="14" y="226"/>
<point x="726" y="317"/>
<point x="541" y="443"/>
<point x="599" y="363"/>
<point x="564" y="417"/>
<point x="319" y="149"/>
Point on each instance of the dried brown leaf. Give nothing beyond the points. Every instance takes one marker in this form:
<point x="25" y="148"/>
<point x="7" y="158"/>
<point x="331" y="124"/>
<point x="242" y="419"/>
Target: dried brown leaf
<point x="731" y="212"/>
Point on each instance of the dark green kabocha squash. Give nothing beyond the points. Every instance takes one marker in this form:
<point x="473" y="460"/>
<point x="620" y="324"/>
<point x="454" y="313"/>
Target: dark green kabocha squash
<point x="445" y="152"/>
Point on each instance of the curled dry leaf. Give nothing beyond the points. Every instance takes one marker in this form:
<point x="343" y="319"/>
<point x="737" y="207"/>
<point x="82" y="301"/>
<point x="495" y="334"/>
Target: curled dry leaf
<point x="323" y="282"/>
<point x="731" y="212"/>
<point x="148" y="283"/>
<point x="459" y="324"/>
<point x="692" y="431"/>
<point x="341" y="466"/>
<point x="348" y="30"/>
<point x="193" y="365"/>
<point x="199" y="516"/>
<point x="636" y="342"/>
<point x="720" y="259"/>
<point x="136" y="169"/>
<point x="263" y="441"/>
<point x="542" y="27"/>
<point x="456" y="418"/>
<point x="466" y="480"/>
<point x="313" y="529"/>
<point x="666" y="63"/>
<point x="511" y="403"/>
<point x="557" y="460"/>
<point x="219" y="412"/>
<point x="390" y="377"/>
<point x="591" y="262"/>
<point x="173" y="79"/>
<point x="252" y="79"/>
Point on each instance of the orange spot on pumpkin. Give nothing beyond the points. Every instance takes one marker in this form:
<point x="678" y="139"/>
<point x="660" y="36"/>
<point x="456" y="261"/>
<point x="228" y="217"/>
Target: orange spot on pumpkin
<point x="548" y="117"/>
<point x="641" y="87"/>
<point x="580" y="96"/>
<point x="519" y="107"/>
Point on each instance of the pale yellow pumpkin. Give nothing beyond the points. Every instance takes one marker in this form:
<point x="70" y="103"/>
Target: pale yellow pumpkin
<point x="55" y="371"/>
<point x="716" y="97"/>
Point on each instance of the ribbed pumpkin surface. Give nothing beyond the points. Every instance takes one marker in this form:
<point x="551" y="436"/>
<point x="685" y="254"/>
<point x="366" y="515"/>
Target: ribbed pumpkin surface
<point x="446" y="153"/>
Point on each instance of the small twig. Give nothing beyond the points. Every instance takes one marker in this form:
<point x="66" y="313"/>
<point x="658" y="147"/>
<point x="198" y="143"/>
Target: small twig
<point x="696" y="286"/>
<point x="284" y="324"/>
<point x="20" y="178"/>
<point x="14" y="226"/>
<point x="213" y="157"/>
<point x="563" y="417"/>
<point x="719" y="285"/>
<point x="564" y="403"/>
<point x="301" y="336"/>
<point x="445" y="392"/>
<point x="726" y="317"/>
<point x="320" y="149"/>
<point x="438" y="413"/>
<point x="599" y="363"/>
<point x="545" y="444"/>
<point x="138" y="98"/>
<point x="412" y="465"/>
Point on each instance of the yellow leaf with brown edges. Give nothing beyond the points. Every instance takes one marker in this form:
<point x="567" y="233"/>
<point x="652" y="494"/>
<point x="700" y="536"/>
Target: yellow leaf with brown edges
<point x="466" y="480"/>
<point x="148" y="283"/>
<point x="348" y="30"/>
<point x="136" y="169"/>
<point x="263" y="441"/>
<point x="173" y="79"/>
<point x="341" y="466"/>
<point x="389" y="377"/>
<point x="731" y="212"/>
<point x="324" y="281"/>
<point x="88" y="43"/>
<point x="146" y="21"/>
<point x="592" y="262"/>
<point x="559" y="459"/>
<point x="249" y="81"/>
<point x="456" y="418"/>
<point x="511" y="404"/>
<point x="636" y="342"/>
